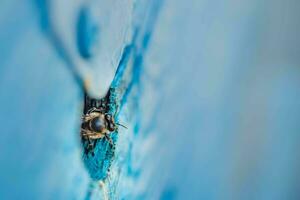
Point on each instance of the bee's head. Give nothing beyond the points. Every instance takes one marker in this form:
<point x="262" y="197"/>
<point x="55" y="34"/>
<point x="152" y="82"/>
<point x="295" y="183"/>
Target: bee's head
<point x="111" y="125"/>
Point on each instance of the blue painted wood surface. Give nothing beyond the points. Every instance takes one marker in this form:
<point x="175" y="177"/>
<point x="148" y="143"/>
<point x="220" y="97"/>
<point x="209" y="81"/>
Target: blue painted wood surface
<point x="209" y="92"/>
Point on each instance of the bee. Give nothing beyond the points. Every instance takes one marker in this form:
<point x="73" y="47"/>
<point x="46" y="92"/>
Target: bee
<point x="96" y="124"/>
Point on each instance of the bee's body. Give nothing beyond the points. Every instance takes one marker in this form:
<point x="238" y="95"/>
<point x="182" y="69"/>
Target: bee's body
<point x="97" y="125"/>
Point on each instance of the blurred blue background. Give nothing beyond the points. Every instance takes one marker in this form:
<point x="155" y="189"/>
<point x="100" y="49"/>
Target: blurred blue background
<point x="213" y="114"/>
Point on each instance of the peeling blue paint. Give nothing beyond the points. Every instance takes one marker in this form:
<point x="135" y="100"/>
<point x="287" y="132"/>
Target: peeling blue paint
<point x="98" y="165"/>
<point x="188" y="88"/>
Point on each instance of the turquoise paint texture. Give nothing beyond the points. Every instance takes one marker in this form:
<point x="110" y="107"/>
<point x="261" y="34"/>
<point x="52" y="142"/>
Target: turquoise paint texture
<point x="126" y="78"/>
<point x="209" y="91"/>
<point x="36" y="63"/>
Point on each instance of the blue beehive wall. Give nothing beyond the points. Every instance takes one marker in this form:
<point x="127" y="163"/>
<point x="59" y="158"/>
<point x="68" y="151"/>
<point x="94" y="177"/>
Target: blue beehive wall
<point x="208" y="90"/>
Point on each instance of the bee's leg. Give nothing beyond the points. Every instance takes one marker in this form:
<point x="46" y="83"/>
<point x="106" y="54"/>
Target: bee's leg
<point x="111" y="142"/>
<point x="87" y="117"/>
<point x="93" y="110"/>
<point x="90" y="110"/>
<point x="83" y="132"/>
<point x="91" y="146"/>
<point x="86" y="134"/>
